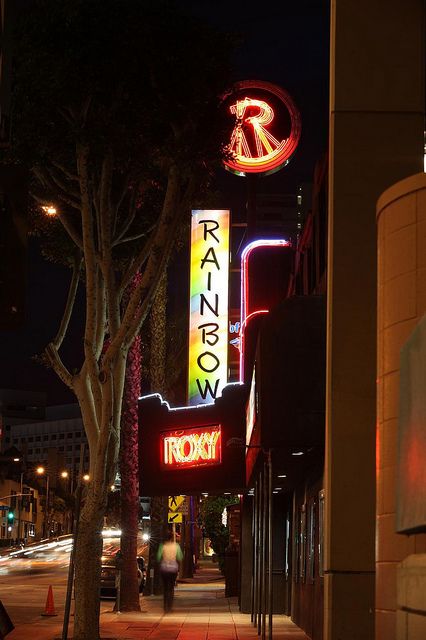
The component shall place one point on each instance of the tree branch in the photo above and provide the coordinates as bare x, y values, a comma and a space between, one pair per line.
106, 263
71, 193
159, 250
88, 409
91, 364
100, 315
137, 262
124, 193
70, 302
71, 176
53, 358
136, 237
155, 270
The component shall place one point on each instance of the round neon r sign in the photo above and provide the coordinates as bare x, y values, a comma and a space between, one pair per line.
266, 130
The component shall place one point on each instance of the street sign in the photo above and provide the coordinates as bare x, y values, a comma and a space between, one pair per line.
175, 502
184, 508
4, 507
175, 517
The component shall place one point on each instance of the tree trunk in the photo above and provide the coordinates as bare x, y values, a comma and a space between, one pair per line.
157, 369
129, 593
88, 569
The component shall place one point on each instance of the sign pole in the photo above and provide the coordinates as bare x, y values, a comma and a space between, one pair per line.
71, 566
251, 205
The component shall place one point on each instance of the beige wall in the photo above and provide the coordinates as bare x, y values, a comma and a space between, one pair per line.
401, 212
376, 138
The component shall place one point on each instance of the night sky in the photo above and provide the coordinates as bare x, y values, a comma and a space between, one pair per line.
283, 42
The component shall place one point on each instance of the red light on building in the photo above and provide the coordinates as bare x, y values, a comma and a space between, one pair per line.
266, 131
191, 447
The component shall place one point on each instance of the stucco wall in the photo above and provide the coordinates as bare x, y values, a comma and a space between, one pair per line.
400, 567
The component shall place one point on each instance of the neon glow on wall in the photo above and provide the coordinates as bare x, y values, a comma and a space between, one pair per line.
195, 447
246, 312
208, 321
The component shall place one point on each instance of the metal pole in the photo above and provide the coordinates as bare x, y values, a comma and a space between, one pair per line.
20, 507
71, 566
259, 556
47, 508
251, 205
254, 554
270, 549
264, 524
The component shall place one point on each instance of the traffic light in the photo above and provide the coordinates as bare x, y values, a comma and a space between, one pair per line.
10, 518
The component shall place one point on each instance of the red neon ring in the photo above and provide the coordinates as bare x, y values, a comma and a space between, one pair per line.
283, 154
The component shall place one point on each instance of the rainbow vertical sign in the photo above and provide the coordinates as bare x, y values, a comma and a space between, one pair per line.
208, 313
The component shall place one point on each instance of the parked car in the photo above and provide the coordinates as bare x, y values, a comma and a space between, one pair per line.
109, 569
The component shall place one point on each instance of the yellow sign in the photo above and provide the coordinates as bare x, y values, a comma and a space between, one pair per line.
174, 517
175, 502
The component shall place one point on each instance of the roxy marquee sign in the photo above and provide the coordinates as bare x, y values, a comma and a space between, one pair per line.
191, 447
208, 317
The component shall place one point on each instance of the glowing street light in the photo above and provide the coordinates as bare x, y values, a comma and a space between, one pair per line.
50, 210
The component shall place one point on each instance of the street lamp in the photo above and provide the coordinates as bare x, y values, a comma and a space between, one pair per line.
50, 210
21, 492
41, 471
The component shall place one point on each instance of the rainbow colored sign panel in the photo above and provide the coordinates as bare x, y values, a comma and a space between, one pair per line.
208, 317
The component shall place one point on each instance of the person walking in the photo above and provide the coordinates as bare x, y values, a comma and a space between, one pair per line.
169, 555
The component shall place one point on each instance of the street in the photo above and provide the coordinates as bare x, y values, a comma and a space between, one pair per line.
201, 609
24, 582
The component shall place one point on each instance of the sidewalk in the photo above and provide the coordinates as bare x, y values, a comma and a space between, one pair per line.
201, 612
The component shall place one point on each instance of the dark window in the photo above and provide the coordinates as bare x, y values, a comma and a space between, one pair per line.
310, 559
30, 451
69, 447
37, 450
53, 436
321, 534
61, 448
38, 438
302, 543
69, 435
31, 439
45, 438
61, 436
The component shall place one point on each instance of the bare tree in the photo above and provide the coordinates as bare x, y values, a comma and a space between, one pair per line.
116, 115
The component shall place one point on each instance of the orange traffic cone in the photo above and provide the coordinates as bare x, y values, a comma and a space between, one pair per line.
50, 607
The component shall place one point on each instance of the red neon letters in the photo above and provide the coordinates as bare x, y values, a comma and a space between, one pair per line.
191, 447
253, 148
